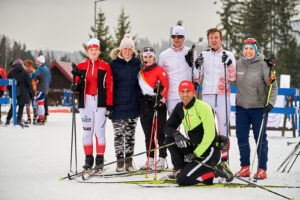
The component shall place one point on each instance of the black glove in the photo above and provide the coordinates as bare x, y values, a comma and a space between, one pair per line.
109, 111
73, 88
196, 85
158, 105
199, 61
268, 108
189, 157
226, 59
1, 93
189, 56
75, 71
180, 140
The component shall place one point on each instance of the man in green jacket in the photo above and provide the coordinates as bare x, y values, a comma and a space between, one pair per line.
194, 159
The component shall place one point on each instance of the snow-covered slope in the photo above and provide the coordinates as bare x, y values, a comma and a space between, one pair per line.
33, 159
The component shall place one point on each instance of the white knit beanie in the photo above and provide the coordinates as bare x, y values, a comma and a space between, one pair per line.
41, 59
127, 42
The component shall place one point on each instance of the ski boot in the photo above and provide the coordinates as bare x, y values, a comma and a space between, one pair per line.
128, 165
244, 172
120, 165
99, 163
40, 122
89, 162
150, 165
261, 174
34, 120
161, 164
224, 171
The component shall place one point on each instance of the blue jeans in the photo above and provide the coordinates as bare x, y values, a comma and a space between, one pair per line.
245, 118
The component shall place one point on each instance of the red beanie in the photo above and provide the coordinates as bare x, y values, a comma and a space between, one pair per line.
186, 85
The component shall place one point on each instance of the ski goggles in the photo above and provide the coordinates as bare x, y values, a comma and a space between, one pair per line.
148, 51
177, 36
250, 41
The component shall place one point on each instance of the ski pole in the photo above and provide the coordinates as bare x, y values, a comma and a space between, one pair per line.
138, 154
201, 57
226, 106
289, 156
241, 179
192, 61
151, 136
263, 125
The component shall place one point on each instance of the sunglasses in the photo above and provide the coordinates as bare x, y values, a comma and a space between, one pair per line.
178, 36
250, 40
148, 50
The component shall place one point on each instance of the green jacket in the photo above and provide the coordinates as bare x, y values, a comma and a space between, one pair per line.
198, 121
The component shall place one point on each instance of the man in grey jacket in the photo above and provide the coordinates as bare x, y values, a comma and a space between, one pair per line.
251, 104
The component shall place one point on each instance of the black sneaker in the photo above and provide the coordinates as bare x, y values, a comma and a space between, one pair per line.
99, 162
40, 122
89, 162
7, 122
224, 171
28, 121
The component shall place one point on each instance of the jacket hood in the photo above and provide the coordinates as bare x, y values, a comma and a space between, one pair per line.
114, 53
18, 68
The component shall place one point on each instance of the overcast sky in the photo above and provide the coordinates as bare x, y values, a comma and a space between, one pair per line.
65, 24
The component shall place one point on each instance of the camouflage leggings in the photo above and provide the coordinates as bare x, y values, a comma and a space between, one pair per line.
124, 129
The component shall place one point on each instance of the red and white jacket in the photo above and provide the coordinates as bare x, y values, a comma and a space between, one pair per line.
213, 71
97, 79
148, 79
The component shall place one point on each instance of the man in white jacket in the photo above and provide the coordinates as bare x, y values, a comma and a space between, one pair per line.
213, 85
174, 61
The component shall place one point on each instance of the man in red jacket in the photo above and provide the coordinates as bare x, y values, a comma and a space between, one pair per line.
95, 85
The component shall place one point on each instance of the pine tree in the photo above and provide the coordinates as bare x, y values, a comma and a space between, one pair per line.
122, 28
103, 35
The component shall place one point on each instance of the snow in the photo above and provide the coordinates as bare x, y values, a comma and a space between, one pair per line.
33, 159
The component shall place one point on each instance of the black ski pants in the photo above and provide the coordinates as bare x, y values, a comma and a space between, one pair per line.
193, 172
146, 117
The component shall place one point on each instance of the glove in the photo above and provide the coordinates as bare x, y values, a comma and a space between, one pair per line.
109, 111
75, 71
158, 105
188, 57
196, 85
180, 140
73, 88
199, 61
268, 108
226, 59
189, 157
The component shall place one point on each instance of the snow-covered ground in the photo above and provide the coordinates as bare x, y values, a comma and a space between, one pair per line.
33, 159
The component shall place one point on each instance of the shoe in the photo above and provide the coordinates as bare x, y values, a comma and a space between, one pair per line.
89, 162
34, 121
28, 121
224, 171
173, 174
7, 122
150, 165
40, 122
128, 165
261, 174
244, 171
120, 165
99, 163
160, 164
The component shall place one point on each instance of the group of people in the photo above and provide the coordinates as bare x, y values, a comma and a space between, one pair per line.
134, 85
32, 86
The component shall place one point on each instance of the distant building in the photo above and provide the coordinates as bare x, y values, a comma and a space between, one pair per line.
61, 79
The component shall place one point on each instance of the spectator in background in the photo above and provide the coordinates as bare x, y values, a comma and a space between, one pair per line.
23, 89
29, 68
43, 75
2, 87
